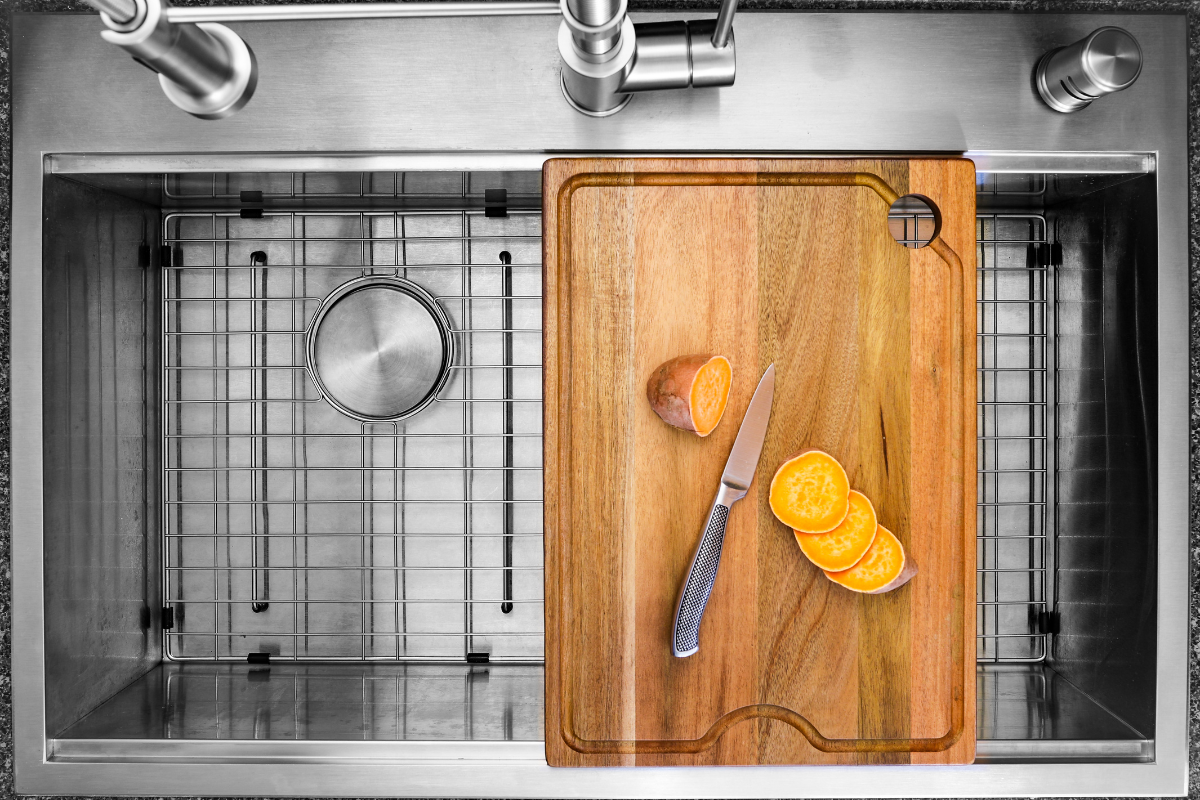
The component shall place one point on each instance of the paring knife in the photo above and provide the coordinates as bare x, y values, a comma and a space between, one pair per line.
735, 482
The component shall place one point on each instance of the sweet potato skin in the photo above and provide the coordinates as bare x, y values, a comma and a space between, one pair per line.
907, 574
670, 387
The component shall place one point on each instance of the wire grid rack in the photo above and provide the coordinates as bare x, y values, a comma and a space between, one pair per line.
296, 531
1015, 325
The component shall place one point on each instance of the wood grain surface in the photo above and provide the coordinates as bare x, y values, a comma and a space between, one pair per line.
787, 262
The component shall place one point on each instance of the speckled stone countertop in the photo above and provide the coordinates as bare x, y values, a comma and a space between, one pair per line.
1190, 7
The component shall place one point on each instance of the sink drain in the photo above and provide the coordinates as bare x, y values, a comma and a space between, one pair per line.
379, 348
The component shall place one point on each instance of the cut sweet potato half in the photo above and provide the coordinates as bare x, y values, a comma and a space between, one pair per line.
810, 492
883, 568
843, 546
690, 392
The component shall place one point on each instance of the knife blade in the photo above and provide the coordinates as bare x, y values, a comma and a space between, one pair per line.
735, 482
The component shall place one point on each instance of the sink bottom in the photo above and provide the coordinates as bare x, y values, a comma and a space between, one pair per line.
1026, 713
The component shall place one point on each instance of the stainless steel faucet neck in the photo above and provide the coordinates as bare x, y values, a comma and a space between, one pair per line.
596, 25
724, 27
594, 12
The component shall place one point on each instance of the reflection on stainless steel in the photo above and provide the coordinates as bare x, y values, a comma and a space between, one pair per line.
379, 348
1031, 712
389, 702
206, 69
1105, 61
418, 760
1064, 751
394, 713
1034, 703
783, 104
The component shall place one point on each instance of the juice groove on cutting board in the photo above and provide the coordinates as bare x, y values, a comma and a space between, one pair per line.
872, 366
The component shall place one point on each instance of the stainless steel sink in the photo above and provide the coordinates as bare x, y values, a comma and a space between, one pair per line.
229, 587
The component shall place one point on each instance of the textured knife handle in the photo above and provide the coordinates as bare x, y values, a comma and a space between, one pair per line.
699, 583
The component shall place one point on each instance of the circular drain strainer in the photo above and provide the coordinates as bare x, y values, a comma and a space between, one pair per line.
379, 348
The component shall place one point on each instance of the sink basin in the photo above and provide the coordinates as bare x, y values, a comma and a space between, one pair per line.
217, 567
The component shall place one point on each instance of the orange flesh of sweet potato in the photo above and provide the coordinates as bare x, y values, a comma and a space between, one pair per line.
883, 568
810, 492
690, 392
710, 393
843, 546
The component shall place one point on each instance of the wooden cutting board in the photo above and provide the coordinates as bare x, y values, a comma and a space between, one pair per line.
787, 262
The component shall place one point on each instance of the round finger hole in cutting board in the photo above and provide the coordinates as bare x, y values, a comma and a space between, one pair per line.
379, 348
914, 220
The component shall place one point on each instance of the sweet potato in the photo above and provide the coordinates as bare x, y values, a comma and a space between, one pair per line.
810, 492
690, 392
843, 546
883, 568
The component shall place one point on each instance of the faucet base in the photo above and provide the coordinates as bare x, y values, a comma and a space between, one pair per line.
230, 95
562, 84
594, 86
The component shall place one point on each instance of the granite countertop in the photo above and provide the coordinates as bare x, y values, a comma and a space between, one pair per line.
1190, 7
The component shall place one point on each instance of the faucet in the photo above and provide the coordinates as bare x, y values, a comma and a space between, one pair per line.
204, 68
208, 71
606, 58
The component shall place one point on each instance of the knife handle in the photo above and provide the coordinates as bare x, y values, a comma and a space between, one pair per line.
685, 639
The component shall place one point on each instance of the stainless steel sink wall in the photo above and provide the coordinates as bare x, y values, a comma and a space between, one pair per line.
1131, 324
102, 537
1106, 430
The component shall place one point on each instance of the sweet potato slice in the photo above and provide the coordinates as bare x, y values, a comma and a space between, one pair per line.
843, 546
883, 568
690, 392
810, 492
